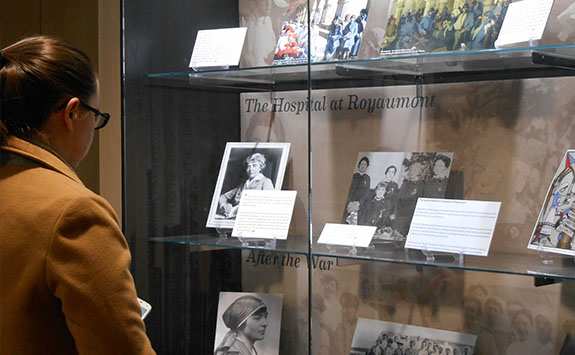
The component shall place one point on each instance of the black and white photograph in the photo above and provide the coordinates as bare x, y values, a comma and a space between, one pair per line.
386, 185
374, 337
248, 323
245, 166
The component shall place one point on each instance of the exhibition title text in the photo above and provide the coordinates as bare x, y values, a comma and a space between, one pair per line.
350, 102
260, 258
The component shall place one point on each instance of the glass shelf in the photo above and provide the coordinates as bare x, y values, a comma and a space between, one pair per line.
563, 267
292, 245
428, 68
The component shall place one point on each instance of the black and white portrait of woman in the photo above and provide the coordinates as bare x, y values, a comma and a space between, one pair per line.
245, 166
229, 201
248, 324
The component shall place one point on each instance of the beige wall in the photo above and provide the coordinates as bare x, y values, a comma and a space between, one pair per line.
111, 101
73, 20
78, 21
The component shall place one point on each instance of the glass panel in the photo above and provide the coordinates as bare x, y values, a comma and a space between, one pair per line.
176, 128
503, 140
496, 123
507, 314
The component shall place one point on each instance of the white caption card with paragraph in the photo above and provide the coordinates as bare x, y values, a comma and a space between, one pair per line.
525, 20
218, 48
453, 226
264, 214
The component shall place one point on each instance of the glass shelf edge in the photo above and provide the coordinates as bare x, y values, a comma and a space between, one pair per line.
441, 55
288, 246
533, 269
525, 265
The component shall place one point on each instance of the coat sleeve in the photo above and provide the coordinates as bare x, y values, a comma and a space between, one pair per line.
87, 269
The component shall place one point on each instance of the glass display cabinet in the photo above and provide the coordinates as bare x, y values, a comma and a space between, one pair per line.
380, 95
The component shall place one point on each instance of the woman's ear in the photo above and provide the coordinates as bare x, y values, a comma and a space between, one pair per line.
71, 111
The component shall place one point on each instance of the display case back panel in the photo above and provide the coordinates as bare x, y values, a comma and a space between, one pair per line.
509, 315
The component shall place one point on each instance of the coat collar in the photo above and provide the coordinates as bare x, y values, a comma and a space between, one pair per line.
258, 177
243, 347
42, 155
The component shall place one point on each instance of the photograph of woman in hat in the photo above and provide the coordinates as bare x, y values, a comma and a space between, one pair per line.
247, 320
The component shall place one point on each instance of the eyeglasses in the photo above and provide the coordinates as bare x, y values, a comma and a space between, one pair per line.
100, 117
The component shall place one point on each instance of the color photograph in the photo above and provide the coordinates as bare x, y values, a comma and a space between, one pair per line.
442, 25
556, 223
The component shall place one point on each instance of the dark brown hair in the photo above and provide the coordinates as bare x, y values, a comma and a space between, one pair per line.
36, 73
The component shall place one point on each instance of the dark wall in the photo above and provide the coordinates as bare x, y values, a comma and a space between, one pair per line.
174, 138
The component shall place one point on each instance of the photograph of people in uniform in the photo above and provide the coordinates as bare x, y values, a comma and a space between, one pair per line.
555, 227
358, 190
374, 337
248, 324
387, 196
341, 25
278, 31
245, 166
435, 185
438, 26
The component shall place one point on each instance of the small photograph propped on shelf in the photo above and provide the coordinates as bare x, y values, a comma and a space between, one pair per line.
555, 226
245, 166
336, 31
438, 26
378, 337
278, 33
386, 185
248, 323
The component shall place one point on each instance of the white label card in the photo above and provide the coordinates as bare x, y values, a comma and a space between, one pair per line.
525, 20
348, 235
145, 307
218, 48
453, 226
264, 214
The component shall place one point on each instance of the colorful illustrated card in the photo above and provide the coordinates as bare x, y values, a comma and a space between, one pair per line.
555, 226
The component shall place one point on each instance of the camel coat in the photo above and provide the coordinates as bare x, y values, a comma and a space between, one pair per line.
65, 284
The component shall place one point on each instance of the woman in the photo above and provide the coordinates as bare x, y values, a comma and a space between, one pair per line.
436, 185
349, 33
229, 202
358, 192
64, 270
411, 189
333, 38
246, 318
